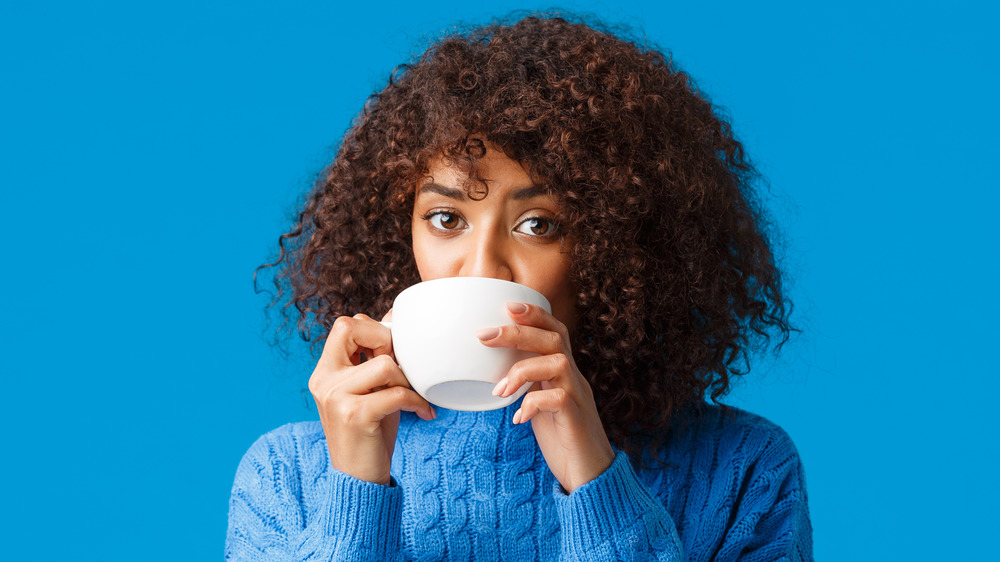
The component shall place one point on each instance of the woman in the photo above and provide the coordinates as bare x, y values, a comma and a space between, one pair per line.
561, 157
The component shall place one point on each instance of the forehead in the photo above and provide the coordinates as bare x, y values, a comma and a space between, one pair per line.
492, 172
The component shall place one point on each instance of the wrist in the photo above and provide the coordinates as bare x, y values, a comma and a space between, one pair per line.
597, 464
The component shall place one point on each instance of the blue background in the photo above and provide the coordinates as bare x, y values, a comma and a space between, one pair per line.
151, 154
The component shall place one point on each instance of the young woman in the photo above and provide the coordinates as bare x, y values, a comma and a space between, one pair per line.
589, 168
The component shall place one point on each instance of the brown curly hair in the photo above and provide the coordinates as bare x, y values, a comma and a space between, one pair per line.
677, 283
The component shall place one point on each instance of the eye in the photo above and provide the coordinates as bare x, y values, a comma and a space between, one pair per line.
444, 220
537, 226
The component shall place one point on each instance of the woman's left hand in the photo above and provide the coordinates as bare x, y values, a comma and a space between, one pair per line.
560, 405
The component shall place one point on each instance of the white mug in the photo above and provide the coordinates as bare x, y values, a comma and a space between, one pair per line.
434, 325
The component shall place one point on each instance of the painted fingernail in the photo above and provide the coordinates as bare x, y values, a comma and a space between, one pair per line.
500, 387
487, 333
517, 416
517, 307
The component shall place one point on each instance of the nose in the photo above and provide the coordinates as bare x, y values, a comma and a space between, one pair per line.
487, 256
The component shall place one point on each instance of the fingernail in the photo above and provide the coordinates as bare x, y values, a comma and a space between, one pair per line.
517, 416
500, 387
517, 307
487, 333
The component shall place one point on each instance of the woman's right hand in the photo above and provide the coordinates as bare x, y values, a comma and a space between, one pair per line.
359, 403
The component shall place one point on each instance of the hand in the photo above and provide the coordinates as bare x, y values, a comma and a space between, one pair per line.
359, 403
560, 405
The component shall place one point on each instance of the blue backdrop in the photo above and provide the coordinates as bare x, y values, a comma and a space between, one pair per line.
151, 153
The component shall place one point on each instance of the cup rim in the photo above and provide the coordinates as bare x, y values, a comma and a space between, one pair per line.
474, 279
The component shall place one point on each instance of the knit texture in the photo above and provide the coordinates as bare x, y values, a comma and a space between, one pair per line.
473, 486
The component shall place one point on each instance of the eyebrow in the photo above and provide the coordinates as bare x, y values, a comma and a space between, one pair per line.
528, 192
459, 194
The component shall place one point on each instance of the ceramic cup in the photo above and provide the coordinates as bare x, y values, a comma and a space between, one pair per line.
434, 326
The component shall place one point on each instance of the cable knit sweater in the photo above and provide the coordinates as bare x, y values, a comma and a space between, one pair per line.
473, 486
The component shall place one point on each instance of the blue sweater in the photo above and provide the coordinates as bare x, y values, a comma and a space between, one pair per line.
473, 486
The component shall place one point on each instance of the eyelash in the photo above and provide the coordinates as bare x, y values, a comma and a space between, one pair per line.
431, 215
553, 225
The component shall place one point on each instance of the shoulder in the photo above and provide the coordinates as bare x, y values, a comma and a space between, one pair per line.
748, 458
760, 482
728, 444
734, 432
753, 433
756, 447
731, 470
300, 445
290, 435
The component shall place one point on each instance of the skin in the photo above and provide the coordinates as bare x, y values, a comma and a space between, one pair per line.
511, 235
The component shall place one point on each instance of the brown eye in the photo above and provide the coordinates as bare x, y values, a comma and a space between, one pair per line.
444, 220
537, 226
448, 221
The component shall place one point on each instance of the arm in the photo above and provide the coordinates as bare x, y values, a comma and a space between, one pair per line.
605, 513
614, 517
756, 510
272, 516
351, 510
752, 500
771, 520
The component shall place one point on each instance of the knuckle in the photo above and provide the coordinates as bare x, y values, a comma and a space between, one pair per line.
345, 411
560, 398
510, 331
514, 371
562, 329
397, 393
376, 363
342, 325
556, 340
321, 384
384, 365
561, 362
516, 374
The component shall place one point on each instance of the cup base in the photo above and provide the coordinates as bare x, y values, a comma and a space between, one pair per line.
468, 396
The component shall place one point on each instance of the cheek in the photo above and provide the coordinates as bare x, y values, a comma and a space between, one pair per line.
432, 270
433, 262
419, 245
564, 309
560, 291
425, 267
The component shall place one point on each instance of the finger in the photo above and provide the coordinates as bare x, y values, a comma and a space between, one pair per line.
378, 405
555, 369
351, 334
533, 315
524, 337
376, 373
553, 400
373, 377
386, 322
331, 385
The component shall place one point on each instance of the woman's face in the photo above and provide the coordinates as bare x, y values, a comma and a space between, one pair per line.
510, 235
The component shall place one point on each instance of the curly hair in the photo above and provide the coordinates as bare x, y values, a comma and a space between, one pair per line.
677, 283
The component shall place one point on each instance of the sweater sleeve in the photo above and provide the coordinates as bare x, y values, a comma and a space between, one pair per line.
770, 514
751, 514
614, 517
272, 516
